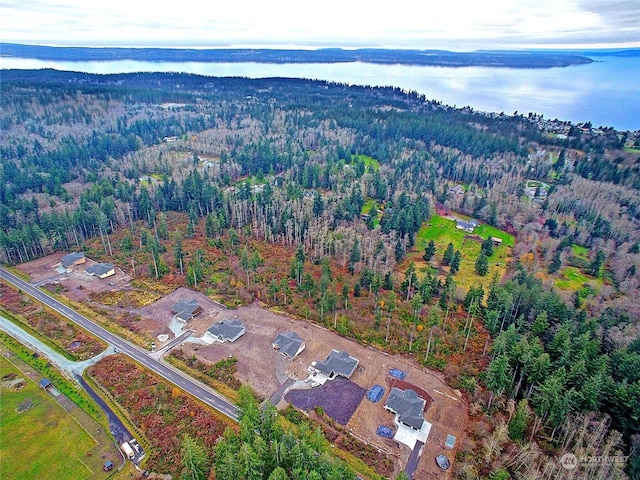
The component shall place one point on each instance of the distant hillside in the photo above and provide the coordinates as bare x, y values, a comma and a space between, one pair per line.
509, 59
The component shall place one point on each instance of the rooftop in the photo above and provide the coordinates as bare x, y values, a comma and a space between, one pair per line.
186, 305
338, 363
100, 269
289, 343
71, 258
227, 330
408, 406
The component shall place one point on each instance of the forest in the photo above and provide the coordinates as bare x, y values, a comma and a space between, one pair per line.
330, 202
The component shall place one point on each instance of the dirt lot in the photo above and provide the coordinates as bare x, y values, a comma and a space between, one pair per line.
265, 369
76, 285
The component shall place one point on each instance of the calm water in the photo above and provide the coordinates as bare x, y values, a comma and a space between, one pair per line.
606, 93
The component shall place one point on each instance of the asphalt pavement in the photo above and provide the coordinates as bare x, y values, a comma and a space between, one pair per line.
169, 373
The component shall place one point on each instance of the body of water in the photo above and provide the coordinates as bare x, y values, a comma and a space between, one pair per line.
605, 93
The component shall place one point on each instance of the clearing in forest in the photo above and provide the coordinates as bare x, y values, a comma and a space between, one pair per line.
443, 231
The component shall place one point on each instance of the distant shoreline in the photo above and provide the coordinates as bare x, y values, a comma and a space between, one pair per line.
440, 58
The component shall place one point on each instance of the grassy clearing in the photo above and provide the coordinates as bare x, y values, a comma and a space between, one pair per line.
579, 251
369, 162
631, 150
572, 279
443, 231
42, 442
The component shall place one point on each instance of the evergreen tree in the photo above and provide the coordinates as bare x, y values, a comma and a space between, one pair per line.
448, 254
429, 251
455, 262
482, 264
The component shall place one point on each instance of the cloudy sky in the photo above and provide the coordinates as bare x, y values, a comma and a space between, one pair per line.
447, 24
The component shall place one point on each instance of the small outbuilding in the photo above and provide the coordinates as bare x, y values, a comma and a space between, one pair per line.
101, 270
226, 330
289, 344
72, 259
186, 309
45, 383
108, 466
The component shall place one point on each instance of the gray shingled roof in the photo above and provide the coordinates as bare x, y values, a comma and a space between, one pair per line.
227, 329
188, 305
408, 406
288, 343
338, 363
71, 258
100, 269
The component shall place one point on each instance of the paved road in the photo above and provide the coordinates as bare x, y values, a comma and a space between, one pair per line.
169, 373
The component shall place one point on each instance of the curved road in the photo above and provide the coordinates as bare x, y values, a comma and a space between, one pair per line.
170, 374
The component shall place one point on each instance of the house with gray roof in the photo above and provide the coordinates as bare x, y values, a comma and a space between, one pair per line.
407, 406
337, 363
289, 344
226, 330
469, 226
186, 309
101, 270
72, 259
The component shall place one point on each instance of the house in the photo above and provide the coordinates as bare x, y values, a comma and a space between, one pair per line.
289, 344
337, 363
456, 190
496, 240
45, 383
407, 406
467, 226
226, 330
186, 309
72, 259
101, 270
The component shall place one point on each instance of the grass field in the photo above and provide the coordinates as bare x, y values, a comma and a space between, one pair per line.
443, 231
579, 251
43, 442
369, 162
572, 279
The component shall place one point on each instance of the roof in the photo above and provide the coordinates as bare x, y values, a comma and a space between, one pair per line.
100, 269
188, 306
227, 329
71, 258
288, 343
338, 363
470, 225
408, 406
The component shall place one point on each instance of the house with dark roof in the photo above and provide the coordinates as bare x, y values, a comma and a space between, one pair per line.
289, 344
72, 259
407, 406
337, 363
467, 226
101, 270
226, 330
186, 309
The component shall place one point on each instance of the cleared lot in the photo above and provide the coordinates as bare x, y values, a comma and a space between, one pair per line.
265, 369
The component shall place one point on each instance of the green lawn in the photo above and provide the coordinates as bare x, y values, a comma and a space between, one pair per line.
442, 231
44, 442
572, 279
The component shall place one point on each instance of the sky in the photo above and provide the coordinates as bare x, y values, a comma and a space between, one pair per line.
461, 25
